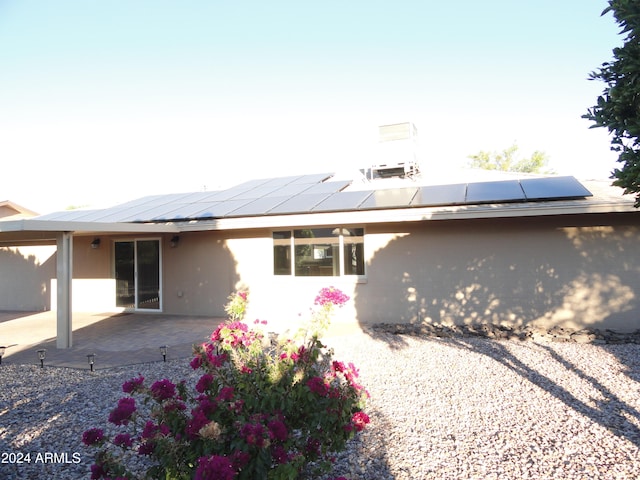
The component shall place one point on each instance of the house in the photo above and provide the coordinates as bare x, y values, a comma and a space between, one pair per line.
534, 250
13, 211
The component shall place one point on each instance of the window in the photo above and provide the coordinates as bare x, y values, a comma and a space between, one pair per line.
319, 252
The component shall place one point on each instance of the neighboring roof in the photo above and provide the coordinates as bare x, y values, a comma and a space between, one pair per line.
13, 211
323, 199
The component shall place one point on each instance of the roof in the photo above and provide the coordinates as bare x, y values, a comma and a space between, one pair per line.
324, 199
13, 211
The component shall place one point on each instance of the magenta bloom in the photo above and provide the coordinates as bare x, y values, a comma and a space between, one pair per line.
204, 383
123, 412
196, 362
133, 385
198, 420
360, 420
163, 389
331, 296
279, 454
98, 471
278, 430
214, 467
123, 440
93, 436
226, 394
317, 386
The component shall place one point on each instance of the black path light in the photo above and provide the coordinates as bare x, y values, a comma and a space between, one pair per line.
41, 354
91, 358
2, 349
163, 352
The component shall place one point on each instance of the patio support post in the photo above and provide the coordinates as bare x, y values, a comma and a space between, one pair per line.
64, 275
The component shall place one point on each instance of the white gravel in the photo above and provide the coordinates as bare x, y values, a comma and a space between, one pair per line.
461, 408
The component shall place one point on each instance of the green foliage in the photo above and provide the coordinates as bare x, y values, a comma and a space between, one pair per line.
618, 108
262, 408
508, 161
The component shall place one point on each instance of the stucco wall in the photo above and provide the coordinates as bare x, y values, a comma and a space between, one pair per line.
545, 272
25, 278
198, 274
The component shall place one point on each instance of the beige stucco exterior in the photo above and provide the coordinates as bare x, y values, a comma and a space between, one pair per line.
570, 270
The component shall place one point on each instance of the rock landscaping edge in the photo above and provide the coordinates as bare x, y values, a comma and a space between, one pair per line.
503, 332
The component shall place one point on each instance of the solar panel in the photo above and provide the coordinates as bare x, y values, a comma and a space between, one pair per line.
257, 192
434, 195
494, 192
302, 203
342, 201
282, 181
314, 178
259, 206
553, 188
328, 187
390, 198
289, 190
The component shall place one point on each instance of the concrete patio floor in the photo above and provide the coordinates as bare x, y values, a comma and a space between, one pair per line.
115, 338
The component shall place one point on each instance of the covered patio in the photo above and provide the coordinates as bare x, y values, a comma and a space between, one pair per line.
31, 232
116, 339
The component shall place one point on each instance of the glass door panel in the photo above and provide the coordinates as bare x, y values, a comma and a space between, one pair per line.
148, 260
125, 274
137, 273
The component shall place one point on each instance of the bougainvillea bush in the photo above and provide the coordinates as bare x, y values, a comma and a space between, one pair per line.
262, 408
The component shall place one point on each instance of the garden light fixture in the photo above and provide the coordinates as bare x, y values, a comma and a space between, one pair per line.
163, 352
91, 358
1, 353
41, 354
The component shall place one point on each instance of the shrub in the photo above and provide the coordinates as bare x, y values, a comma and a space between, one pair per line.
262, 408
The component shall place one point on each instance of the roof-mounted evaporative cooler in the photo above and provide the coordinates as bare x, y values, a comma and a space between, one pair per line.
396, 153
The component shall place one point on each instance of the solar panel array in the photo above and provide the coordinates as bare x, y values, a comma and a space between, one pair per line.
318, 193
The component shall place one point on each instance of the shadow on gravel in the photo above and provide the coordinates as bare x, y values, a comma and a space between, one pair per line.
611, 411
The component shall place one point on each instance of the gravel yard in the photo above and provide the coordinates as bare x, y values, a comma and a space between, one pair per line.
456, 408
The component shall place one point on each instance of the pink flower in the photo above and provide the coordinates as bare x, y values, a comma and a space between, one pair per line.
278, 430
163, 389
214, 467
123, 440
198, 420
360, 420
331, 296
133, 385
98, 471
204, 383
123, 412
93, 436
196, 362
317, 386
226, 394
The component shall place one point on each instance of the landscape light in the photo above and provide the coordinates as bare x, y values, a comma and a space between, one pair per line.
1, 353
41, 354
91, 358
163, 352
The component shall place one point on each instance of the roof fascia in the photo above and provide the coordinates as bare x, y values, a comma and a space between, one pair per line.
32, 225
418, 214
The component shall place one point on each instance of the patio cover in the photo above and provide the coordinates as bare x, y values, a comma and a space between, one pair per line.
27, 232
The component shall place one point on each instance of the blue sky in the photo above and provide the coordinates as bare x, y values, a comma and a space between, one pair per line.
105, 101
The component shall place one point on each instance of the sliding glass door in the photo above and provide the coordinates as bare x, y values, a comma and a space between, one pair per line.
137, 272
